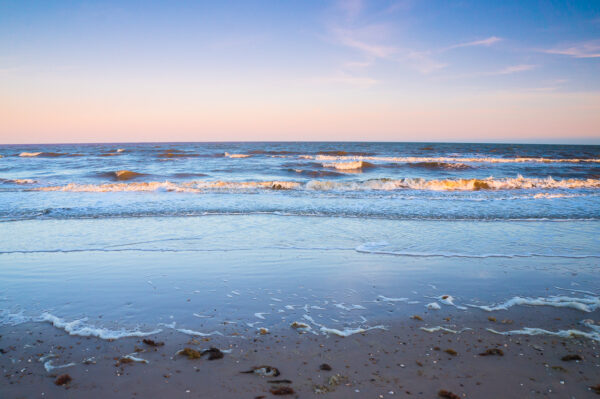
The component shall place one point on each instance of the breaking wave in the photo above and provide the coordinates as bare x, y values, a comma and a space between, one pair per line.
228, 155
353, 165
45, 154
519, 183
439, 165
433, 160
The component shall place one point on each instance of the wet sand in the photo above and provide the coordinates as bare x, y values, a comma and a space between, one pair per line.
401, 361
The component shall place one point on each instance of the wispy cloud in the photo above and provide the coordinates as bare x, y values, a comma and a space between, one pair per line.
423, 62
589, 49
514, 69
484, 42
365, 40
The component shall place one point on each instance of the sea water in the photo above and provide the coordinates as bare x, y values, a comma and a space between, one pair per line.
113, 240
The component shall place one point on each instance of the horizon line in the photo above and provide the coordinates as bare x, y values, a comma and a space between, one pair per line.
594, 142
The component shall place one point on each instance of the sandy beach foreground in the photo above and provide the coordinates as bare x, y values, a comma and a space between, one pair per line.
402, 361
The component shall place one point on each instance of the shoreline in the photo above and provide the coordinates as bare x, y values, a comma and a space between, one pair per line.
401, 361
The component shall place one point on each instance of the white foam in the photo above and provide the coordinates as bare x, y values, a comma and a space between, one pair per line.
595, 336
438, 328
197, 333
260, 315
77, 327
228, 155
349, 331
199, 186
13, 319
201, 316
451, 159
342, 333
588, 304
29, 154
433, 306
449, 300
386, 299
352, 165
49, 366
349, 307
134, 358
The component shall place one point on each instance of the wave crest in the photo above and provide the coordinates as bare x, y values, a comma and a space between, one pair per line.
519, 183
450, 159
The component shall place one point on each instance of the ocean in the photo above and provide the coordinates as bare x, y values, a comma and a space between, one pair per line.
114, 240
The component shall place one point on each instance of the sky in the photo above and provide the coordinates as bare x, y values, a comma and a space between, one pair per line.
397, 70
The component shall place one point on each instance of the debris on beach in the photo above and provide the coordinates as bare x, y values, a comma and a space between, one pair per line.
596, 389
332, 383
279, 381
263, 331
416, 317
568, 358
190, 353
282, 391
298, 325
492, 319
492, 352
265, 371
447, 394
128, 359
150, 342
325, 367
213, 353
451, 352
433, 306
63, 379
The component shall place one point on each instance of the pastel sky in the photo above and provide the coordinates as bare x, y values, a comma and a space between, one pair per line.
407, 70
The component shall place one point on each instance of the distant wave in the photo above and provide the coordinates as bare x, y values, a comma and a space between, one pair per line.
451, 159
126, 174
353, 165
177, 154
315, 173
45, 154
439, 165
228, 155
518, 183
121, 175
17, 181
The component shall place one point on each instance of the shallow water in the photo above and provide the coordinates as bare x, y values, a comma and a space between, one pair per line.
260, 235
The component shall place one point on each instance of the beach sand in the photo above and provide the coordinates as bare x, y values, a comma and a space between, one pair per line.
401, 361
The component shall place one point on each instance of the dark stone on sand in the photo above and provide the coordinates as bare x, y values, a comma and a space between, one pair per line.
213, 354
447, 394
451, 352
152, 343
492, 352
63, 379
568, 358
280, 381
325, 367
596, 389
282, 391
263, 370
